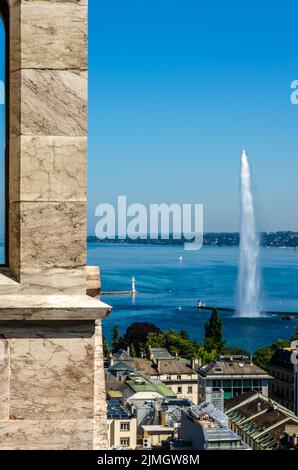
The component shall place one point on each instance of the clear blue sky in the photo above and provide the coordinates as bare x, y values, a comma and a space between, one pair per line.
177, 88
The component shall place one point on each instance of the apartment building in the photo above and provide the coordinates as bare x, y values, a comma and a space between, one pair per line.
206, 428
122, 426
262, 423
281, 388
180, 375
229, 377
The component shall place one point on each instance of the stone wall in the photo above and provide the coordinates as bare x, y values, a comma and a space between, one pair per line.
51, 359
48, 135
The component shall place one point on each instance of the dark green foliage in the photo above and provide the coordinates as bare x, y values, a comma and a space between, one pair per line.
180, 344
132, 351
262, 356
140, 336
116, 339
213, 333
137, 333
232, 351
106, 348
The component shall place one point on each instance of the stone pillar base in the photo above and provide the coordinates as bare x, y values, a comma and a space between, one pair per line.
51, 374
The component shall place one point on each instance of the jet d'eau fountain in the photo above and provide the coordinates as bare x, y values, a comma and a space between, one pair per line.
249, 274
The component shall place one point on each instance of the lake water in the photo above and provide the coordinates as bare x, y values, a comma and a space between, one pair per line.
209, 274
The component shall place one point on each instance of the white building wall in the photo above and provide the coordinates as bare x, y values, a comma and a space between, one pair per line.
115, 434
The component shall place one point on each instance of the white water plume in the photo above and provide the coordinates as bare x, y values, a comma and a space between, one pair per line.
249, 274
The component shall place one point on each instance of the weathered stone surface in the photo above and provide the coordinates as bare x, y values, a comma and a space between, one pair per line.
46, 434
25, 2
14, 244
100, 412
47, 281
48, 168
93, 281
51, 38
4, 378
52, 235
48, 102
53, 377
51, 307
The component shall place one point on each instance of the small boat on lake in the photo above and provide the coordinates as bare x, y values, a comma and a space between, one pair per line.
288, 317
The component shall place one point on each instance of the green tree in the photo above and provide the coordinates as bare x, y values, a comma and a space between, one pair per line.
208, 356
213, 333
262, 356
179, 343
137, 335
155, 340
115, 338
132, 351
106, 347
231, 351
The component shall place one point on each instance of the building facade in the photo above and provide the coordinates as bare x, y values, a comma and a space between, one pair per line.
281, 388
262, 423
228, 377
156, 434
180, 375
206, 428
122, 426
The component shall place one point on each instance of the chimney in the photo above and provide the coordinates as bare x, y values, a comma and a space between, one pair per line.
251, 363
162, 418
111, 360
199, 362
158, 365
193, 363
128, 350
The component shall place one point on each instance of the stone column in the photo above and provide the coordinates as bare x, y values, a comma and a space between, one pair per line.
51, 361
48, 133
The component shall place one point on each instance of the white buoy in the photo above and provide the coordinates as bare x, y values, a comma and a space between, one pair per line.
180, 259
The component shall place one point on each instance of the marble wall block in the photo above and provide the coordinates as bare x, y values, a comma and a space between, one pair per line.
46, 435
100, 411
4, 378
50, 281
92, 281
48, 102
52, 235
14, 244
44, 281
26, 2
52, 372
15, 34
48, 168
49, 38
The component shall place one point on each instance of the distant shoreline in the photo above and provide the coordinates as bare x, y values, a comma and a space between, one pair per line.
225, 239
